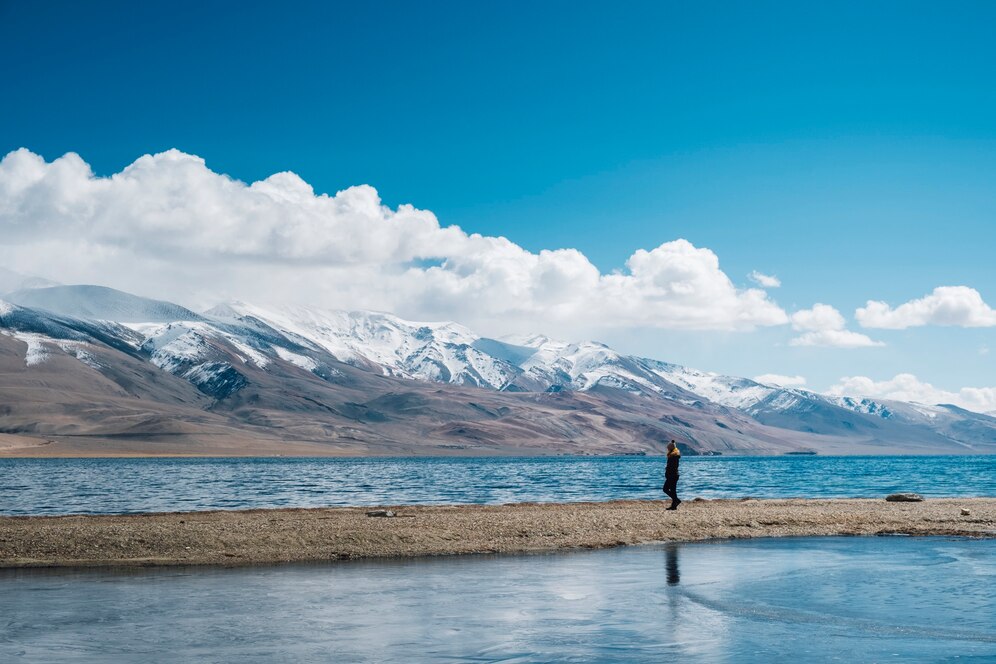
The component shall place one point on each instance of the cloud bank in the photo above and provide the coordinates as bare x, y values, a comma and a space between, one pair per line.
822, 325
907, 387
167, 226
947, 305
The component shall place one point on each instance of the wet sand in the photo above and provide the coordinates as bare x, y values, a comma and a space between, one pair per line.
296, 535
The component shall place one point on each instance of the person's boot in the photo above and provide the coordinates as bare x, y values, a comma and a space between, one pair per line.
674, 505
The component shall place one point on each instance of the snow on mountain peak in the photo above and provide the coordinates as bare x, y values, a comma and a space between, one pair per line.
740, 393
431, 351
101, 303
226, 311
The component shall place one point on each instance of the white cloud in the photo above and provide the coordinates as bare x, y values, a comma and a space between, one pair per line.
819, 317
907, 387
947, 305
764, 280
822, 325
169, 227
783, 381
836, 339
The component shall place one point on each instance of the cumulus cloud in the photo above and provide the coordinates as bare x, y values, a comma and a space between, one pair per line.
947, 305
782, 381
169, 227
907, 387
764, 280
822, 325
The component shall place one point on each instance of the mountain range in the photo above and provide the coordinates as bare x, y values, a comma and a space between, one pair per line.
89, 370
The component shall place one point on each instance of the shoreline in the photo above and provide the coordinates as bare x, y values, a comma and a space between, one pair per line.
17, 454
270, 536
26, 447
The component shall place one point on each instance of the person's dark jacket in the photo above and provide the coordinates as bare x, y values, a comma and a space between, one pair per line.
672, 465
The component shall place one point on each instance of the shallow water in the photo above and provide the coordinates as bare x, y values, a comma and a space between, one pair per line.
826, 599
66, 486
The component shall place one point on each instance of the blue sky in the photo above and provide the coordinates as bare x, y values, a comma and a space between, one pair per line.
848, 149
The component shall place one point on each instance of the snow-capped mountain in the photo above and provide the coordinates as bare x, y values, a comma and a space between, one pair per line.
101, 303
804, 410
587, 365
451, 353
438, 352
445, 352
232, 351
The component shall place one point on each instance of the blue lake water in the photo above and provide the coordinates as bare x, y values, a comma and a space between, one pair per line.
93, 486
89, 486
776, 600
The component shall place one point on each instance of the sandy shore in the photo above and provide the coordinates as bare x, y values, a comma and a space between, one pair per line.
272, 536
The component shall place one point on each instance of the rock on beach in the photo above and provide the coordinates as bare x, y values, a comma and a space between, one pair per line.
904, 498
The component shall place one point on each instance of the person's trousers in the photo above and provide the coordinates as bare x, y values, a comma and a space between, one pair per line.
671, 487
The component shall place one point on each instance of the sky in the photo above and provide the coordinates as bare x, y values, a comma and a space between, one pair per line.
722, 185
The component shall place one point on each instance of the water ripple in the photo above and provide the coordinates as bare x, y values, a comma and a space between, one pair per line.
104, 486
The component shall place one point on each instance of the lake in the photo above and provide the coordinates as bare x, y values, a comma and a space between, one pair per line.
102, 486
784, 600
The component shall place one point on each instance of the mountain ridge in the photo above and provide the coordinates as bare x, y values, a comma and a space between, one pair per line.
368, 382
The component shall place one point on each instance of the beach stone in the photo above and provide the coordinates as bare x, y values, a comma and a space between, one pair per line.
965, 512
386, 513
904, 498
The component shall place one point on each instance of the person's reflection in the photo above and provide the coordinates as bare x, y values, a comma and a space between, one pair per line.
671, 564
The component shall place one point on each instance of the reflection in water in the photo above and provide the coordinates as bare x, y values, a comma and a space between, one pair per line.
674, 629
778, 600
671, 561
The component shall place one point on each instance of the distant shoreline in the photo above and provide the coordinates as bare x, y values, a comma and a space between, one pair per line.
511, 454
18, 446
329, 534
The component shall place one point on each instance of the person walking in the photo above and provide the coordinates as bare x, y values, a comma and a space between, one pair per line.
671, 474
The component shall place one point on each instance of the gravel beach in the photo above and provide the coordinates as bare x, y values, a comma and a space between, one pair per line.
293, 535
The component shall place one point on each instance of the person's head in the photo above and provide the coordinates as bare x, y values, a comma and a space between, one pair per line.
671, 446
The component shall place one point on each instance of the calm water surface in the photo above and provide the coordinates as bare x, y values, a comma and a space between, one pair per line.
88, 486
780, 600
